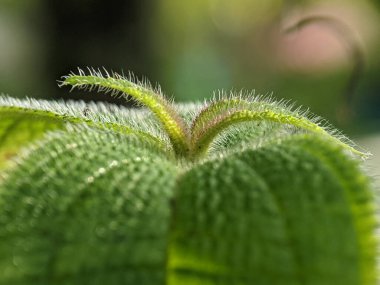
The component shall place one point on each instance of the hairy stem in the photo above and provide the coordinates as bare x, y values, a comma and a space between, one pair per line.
202, 142
219, 108
173, 125
214, 109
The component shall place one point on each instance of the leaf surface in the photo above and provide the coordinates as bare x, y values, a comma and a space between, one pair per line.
102, 200
25, 121
19, 127
86, 207
295, 212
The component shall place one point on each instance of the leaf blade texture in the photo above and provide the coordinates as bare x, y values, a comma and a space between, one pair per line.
292, 213
97, 195
18, 127
106, 224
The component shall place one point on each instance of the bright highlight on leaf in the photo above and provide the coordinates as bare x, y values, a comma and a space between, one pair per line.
241, 190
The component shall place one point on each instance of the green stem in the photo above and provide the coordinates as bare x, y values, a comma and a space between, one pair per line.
213, 110
172, 123
219, 108
202, 142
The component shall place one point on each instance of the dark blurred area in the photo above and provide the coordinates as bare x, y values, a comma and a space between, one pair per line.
53, 38
110, 34
193, 48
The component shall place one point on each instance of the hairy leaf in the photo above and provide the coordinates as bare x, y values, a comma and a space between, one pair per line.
295, 212
84, 209
24, 121
237, 191
19, 127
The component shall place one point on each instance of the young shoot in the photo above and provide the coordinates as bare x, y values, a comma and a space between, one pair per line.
193, 142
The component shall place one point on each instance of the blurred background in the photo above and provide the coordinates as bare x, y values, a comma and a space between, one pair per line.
330, 62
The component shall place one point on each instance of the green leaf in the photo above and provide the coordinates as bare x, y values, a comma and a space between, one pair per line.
106, 195
85, 209
295, 212
25, 121
19, 127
